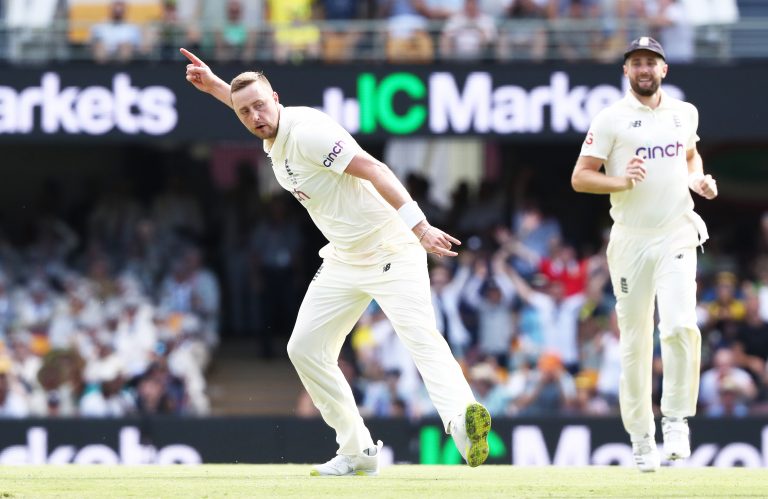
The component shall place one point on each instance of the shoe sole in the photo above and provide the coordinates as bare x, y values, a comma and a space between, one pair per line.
477, 422
648, 470
354, 473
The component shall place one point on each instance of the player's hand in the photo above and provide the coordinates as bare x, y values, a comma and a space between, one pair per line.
635, 171
198, 73
705, 187
435, 240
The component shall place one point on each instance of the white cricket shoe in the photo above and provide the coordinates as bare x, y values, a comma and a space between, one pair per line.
364, 464
677, 442
646, 454
470, 433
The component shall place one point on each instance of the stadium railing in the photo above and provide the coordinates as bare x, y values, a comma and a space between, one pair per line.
371, 41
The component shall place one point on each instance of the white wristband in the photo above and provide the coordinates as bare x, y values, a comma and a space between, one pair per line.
693, 178
411, 214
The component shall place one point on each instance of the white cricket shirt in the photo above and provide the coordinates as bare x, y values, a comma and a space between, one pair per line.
309, 156
662, 136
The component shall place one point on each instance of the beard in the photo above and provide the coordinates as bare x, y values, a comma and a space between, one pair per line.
645, 91
266, 133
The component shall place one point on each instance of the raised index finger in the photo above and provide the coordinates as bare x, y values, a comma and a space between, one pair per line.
192, 57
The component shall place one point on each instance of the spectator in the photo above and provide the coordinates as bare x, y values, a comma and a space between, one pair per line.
526, 39
408, 38
491, 295
609, 372
710, 17
32, 29
558, 315
468, 34
496, 9
447, 290
159, 392
562, 267
382, 396
441, 10
296, 36
725, 312
67, 317
487, 387
587, 401
572, 35
340, 37
13, 403
179, 26
535, 232
143, 256
726, 390
550, 389
106, 395
117, 40
188, 354
390, 354
671, 20
136, 335
751, 345
35, 312
234, 40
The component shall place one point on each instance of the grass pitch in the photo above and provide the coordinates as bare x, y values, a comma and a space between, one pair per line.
400, 481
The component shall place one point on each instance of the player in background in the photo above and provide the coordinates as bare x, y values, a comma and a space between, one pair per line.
646, 144
378, 237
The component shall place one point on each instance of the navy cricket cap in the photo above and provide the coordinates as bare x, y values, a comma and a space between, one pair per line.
645, 43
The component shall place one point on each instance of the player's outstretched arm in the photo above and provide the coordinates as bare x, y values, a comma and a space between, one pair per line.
203, 79
365, 166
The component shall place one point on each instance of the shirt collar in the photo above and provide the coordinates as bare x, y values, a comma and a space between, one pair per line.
282, 132
635, 103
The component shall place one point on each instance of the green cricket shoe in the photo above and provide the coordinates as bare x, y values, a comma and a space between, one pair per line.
470, 434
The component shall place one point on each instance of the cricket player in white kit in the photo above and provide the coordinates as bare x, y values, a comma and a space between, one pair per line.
647, 145
378, 236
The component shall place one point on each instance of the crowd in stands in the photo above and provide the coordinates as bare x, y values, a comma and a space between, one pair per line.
346, 30
533, 325
119, 321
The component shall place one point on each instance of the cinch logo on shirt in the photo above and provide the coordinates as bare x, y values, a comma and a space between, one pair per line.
667, 151
329, 158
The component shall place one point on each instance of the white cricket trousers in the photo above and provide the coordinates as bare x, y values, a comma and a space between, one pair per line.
656, 263
335, 300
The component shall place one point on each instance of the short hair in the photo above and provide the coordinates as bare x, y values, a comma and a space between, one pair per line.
244, 79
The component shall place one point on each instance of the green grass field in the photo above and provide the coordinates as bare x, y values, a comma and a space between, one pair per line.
401, 482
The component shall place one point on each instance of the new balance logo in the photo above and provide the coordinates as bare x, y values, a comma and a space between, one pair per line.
300, 195
624, 285
635, 124
386, 267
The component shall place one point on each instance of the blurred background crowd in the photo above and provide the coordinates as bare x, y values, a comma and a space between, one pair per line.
415, 31
119, 320
117, 293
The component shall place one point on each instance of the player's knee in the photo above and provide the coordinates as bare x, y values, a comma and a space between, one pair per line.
681, 330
